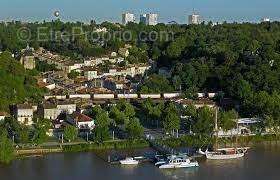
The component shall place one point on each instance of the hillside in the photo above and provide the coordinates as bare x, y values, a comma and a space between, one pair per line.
16, 85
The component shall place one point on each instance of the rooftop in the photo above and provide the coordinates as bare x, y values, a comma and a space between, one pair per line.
81, 117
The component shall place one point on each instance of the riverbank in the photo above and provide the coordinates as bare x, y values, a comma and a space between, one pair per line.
127, 145
107, 145
83, 147
200, 141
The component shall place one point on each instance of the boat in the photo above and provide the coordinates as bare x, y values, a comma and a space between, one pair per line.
223, 153
159, 160
129, 161
175, 161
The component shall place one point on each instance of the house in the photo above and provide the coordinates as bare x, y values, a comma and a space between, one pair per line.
3, 115
49, 86
114, 84
27, 58
28, 61
24, 114
244, 128
49, 111
52, 110
124, 52
83, 122
90, 73
66, 106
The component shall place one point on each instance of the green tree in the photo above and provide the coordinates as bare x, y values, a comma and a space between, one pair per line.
102, 122
41, 128
6, 148
204, 121
171, 120
227, 119
70, 133
134, 129
73, 74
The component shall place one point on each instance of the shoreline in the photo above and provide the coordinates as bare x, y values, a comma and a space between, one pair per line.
121, 146
85, 147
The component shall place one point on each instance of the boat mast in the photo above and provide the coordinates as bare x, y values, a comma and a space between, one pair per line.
216, 128
236, 139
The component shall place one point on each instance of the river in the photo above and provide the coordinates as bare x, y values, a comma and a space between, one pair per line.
262, 163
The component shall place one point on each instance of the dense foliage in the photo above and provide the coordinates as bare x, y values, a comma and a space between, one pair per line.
6, 147
240, 60
16, 84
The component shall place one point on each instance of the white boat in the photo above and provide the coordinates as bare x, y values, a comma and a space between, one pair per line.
225, 154
160, 159
178, 162
129, 161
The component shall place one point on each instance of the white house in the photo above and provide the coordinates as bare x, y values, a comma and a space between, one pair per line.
66, 106
83, 122
90, 73
50, 111
24, 114
2, 115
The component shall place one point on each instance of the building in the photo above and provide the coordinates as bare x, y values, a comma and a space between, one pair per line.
66, 106
28, 61
151, 19
114, 84
27, 58
83, 122
24, 114
127, 17
3, 115
53, 110
143, 18
124, 52
50, 111
265, 20
244, 128
90, 73
194, 19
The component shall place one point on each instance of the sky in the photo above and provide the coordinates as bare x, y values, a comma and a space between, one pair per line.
168, 10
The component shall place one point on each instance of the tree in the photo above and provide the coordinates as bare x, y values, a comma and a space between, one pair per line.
134, 129
272, 125
117, 115
101, 130
24, 134
156, 84
6, 148
190, 111
227, 119
70, 133
73, 74
40, 130
204, 121
122, 112
171, 120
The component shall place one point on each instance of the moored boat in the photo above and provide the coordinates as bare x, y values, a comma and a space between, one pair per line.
223, 153
129, 161
178, 162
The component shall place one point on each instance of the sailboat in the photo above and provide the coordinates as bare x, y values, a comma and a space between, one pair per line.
224, 153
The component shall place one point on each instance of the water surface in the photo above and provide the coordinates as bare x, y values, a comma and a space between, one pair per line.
262, 163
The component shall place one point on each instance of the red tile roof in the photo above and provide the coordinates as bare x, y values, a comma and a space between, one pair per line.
81, 118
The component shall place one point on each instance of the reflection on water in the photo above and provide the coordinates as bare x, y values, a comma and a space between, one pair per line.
229, 163
184, 173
